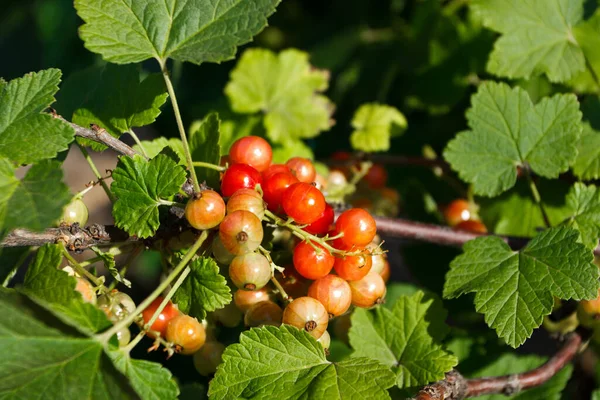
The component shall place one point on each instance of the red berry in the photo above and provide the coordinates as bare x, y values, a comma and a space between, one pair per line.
187, 333
274, 187
376, 177
358, 227
263, 313
333, 292
302, 168
312, 262
205, 210
247, 199
353, 268
241, 232
321, 225
369, 291
239, 176
250, 271
275, 169
252, 150
471, 226
457, 211
245, 299
308, 314
167, 314
303, 202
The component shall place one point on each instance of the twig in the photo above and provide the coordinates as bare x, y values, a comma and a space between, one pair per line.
75, 238
456, 387
100, 135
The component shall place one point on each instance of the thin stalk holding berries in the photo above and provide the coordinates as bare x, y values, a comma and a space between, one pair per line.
209, 166
99, 177
184, 141
98, 282
105, 337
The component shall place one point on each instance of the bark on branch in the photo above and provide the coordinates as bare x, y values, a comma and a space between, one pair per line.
456, 387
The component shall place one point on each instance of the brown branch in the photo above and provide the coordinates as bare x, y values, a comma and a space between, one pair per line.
437, 234
456, 387
75, 238
100, 135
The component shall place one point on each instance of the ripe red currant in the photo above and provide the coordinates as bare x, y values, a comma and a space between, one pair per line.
308, 314
252, 150
294, 284
321, 225
186, 333
312, 261
376, 177
75, 212
358, 227
333, 292
457, 211
239, 176
205, 210
471, 226
302, 168
247, 199
303, 202
263, 313
241, 232
167, 314
245, 299
369, 291
275, 169
208, 358
250, 271
274, 187
353, 268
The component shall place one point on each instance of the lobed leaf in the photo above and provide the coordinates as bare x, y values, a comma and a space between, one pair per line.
204, 146
405, 338
508, 131
287, 363
26, 134
585, 205
186, 30
587, 163
514, 290
286, 88
139, 186
203, 290
374, 124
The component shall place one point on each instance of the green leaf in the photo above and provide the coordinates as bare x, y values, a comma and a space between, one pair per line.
509, 364
45, 282
149, 379
106, 106
26, 134
536, 37
587, 163
139, 186
374, 124
514, 290
286, 88
154, 147
596, 395
287, 363
185, 30
108, 259
507, 131
193, 391
37, 201
585, 203
10, 259
405, 338
204, 146
39, 359
516, 213
203, 290
587, 35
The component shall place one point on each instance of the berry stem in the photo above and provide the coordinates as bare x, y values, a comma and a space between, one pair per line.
281, 290
138, 142
105, 337
537, 198
298, 232
84, 272
184, 141
209, 165
89, 160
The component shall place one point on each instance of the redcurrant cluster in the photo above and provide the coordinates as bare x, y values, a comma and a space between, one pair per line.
462, 215
289, 196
